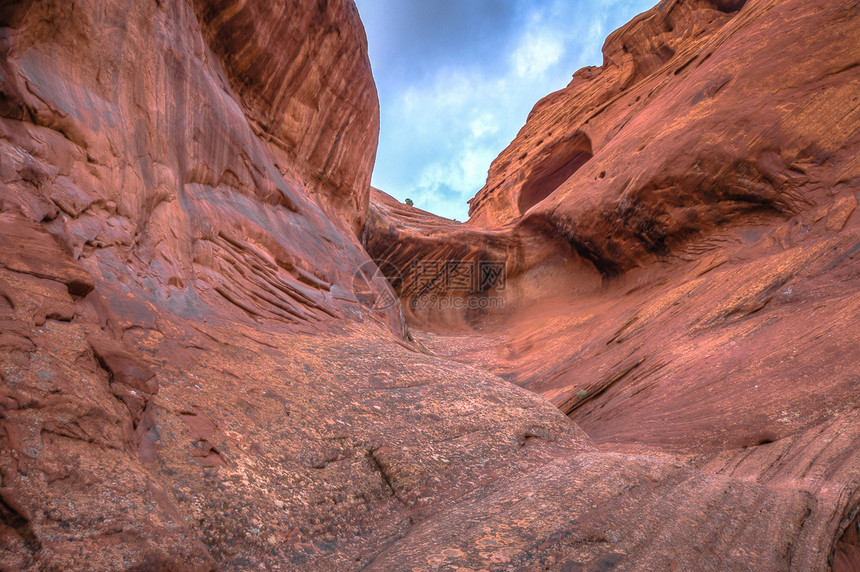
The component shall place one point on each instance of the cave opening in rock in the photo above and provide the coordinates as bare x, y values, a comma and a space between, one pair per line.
728, 6
846, 552
562, 161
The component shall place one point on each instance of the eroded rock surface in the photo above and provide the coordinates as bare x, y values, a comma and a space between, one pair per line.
201, 368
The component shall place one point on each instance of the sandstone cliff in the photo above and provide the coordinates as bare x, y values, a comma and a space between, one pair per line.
201, 368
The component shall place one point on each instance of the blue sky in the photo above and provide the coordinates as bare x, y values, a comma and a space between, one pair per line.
457, 79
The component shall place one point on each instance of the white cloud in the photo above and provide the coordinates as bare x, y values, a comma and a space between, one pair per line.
537, 53
484, 124
465, 173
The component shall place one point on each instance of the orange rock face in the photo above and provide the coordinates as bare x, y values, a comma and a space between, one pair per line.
302, 73
651, 366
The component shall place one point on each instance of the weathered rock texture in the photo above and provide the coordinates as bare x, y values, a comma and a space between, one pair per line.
201, 368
